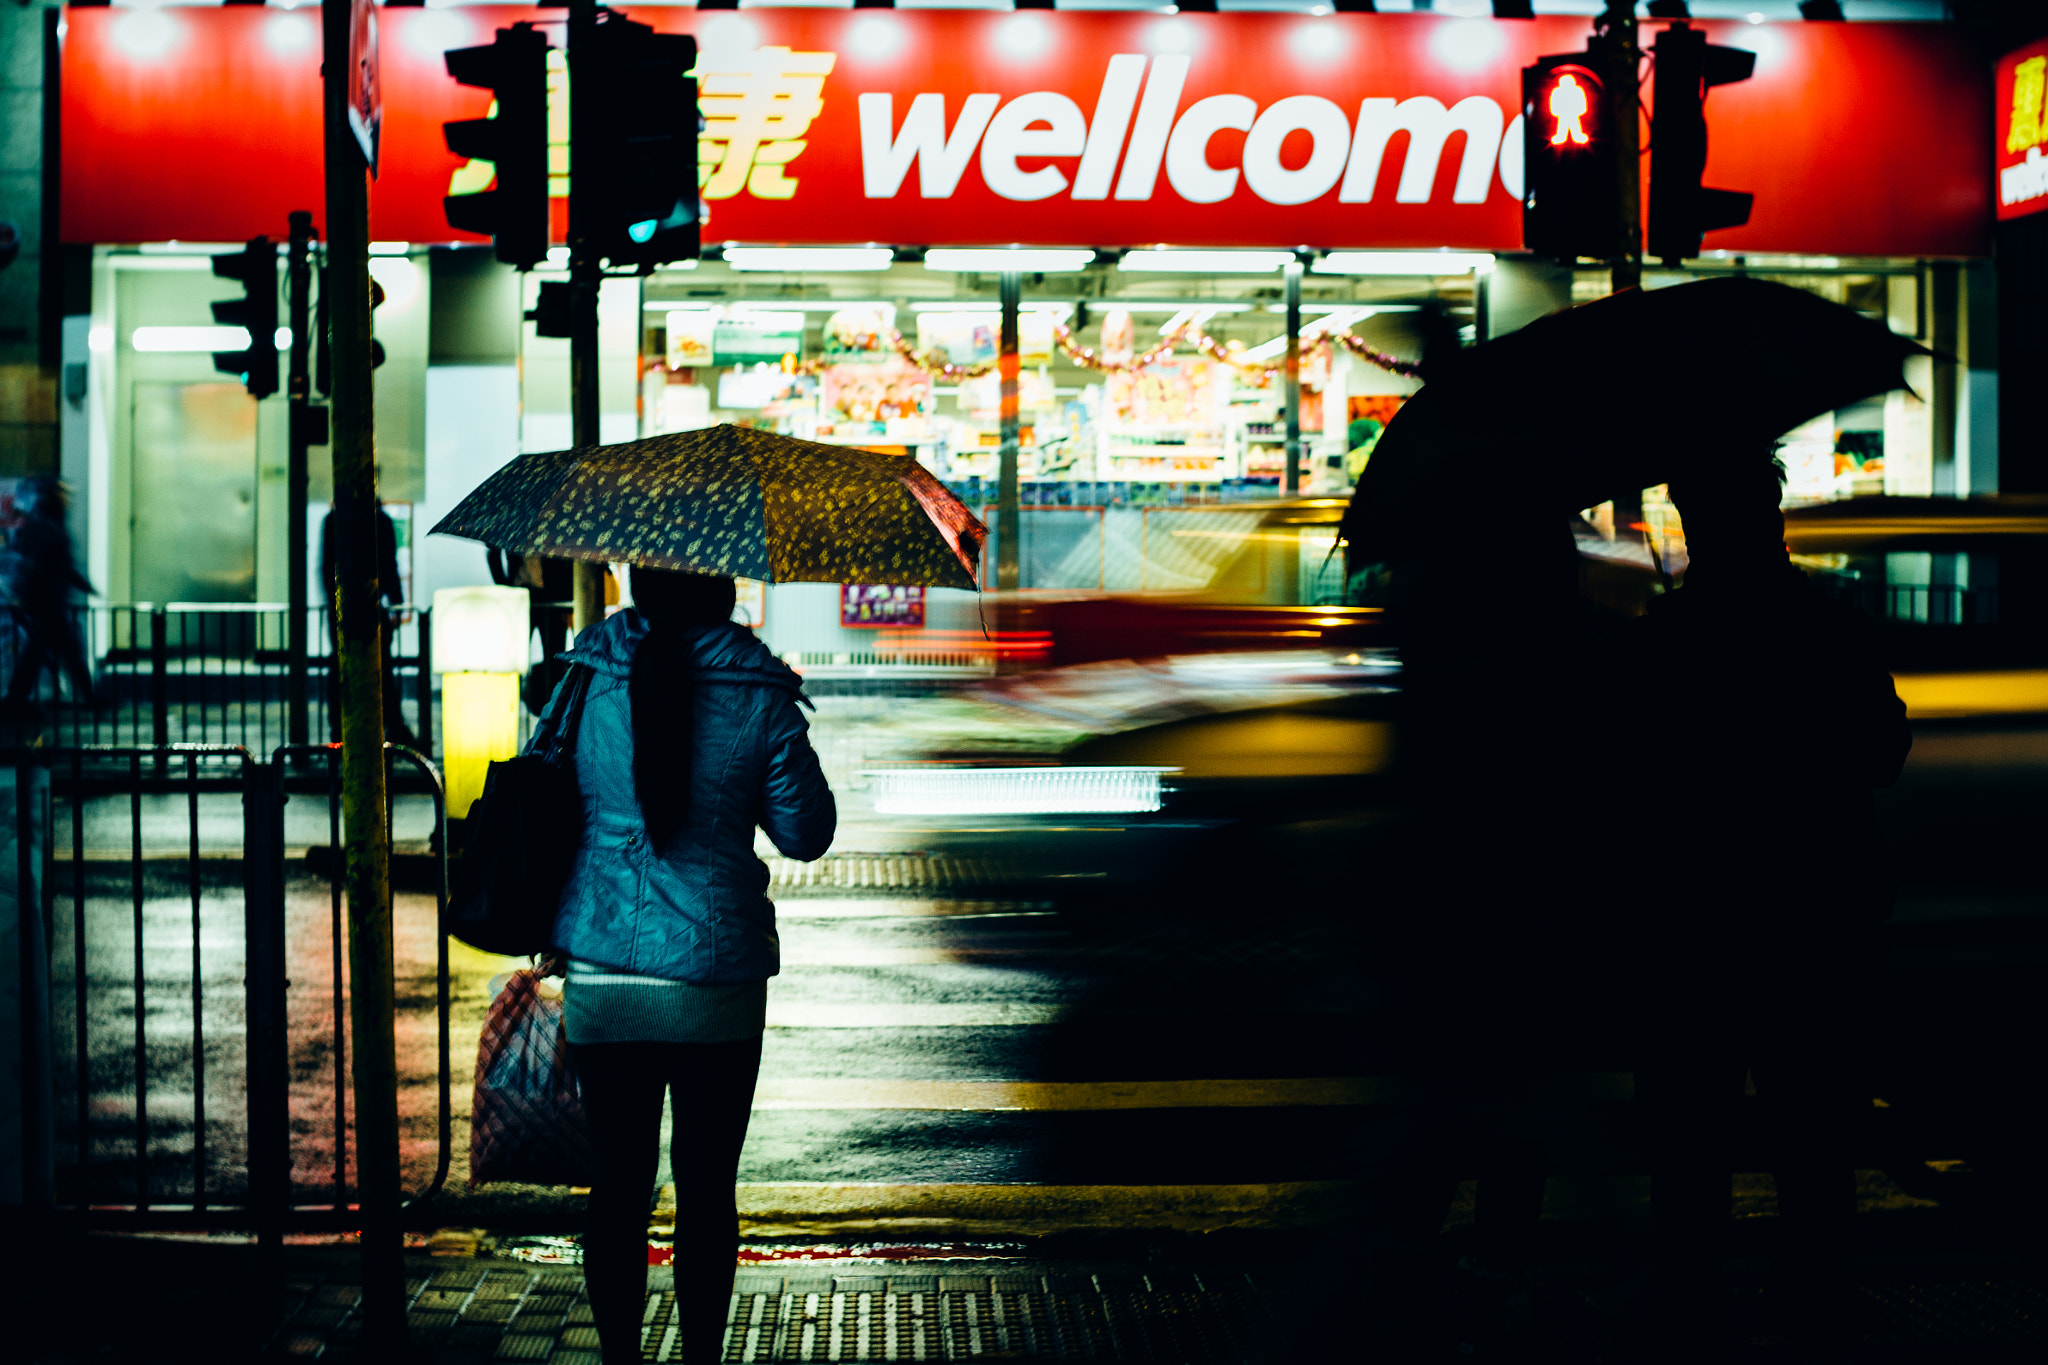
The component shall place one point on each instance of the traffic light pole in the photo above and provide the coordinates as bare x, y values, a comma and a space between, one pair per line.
367, 848
1615, 33
1009, 528
1290, 479
298, 279
586, 275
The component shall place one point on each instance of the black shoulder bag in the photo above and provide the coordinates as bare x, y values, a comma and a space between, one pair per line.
521, 840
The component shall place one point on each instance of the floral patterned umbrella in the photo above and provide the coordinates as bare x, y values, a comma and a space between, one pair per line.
731, 500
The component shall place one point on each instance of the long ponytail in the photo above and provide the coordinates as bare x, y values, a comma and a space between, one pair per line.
660, 692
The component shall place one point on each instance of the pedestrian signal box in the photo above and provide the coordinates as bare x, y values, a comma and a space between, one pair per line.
514, 140
1682, 211
255, 265
635, 161
1570, 205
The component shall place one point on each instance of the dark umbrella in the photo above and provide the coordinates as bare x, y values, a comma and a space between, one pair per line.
1612, 395
731, 500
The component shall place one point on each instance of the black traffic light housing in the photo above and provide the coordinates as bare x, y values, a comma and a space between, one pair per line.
1571, 181
635, 164
1682, 211
514, 213
323, 350
554, 312
255, 266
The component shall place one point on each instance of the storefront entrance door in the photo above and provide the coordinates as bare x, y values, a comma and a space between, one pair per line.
194, 493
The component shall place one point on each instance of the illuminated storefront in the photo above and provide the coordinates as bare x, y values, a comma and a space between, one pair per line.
1157, 176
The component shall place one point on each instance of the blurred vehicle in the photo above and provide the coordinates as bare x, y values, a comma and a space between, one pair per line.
1959, 587
1275, 584
1154, 772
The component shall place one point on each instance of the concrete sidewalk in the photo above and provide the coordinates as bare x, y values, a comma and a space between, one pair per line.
131, 1300
156, 1300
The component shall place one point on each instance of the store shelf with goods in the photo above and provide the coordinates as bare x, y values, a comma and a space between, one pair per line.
1202, 453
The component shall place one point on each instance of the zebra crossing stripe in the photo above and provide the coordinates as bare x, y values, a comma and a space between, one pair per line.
794, 1014
991, 1096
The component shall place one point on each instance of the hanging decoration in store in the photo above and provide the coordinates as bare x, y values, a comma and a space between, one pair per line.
1392, 364
934, 360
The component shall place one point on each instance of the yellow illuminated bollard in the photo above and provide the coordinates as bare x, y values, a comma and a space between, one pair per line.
480, 651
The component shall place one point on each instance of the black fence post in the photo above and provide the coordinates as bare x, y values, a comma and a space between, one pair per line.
31, 887
159, 677
426, 681
268, 1057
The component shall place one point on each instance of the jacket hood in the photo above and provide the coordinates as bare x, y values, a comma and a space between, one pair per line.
722, 653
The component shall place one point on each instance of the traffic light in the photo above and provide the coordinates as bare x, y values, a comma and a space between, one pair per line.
514, 213
1682, 211
255, 265
635, 166
1571, 180
553, 313
323, 351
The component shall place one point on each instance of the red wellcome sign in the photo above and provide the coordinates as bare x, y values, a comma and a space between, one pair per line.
1110, 129
2019, 130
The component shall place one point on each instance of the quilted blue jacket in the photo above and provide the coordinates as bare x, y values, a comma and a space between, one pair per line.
698, 911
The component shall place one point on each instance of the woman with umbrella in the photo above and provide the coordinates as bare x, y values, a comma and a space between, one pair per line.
686, 734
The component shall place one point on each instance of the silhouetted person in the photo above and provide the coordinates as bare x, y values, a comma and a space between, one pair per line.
41, 578
1769, 721
1482, 958
390, 592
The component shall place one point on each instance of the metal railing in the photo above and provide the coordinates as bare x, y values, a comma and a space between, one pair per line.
172, 1099
191, 673
1940, 604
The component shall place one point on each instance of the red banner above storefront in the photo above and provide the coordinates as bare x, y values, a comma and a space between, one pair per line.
2019, 131
1046, 128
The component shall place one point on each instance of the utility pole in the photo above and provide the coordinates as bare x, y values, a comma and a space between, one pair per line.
364, 799
306, 428
1290, 480
1008, 530
586, 275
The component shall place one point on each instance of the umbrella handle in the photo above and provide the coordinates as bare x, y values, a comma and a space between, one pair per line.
1650, 544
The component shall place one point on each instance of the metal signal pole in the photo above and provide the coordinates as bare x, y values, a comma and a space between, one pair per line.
586, 275
358, 613
1290, 478
302, 417
1009, 531
1616, 35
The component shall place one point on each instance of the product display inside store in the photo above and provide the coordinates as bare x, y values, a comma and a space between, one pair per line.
1134, 386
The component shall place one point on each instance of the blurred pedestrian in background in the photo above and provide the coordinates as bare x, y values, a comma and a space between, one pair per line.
390, 595
1759, 908
689, 736
41, 579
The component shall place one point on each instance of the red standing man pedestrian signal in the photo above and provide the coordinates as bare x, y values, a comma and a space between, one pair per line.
1568, 106
1571, 166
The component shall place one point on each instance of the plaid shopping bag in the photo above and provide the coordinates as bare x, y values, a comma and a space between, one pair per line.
527, 1121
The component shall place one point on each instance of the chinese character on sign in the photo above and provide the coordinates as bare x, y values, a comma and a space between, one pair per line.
2029, 86
755, 118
